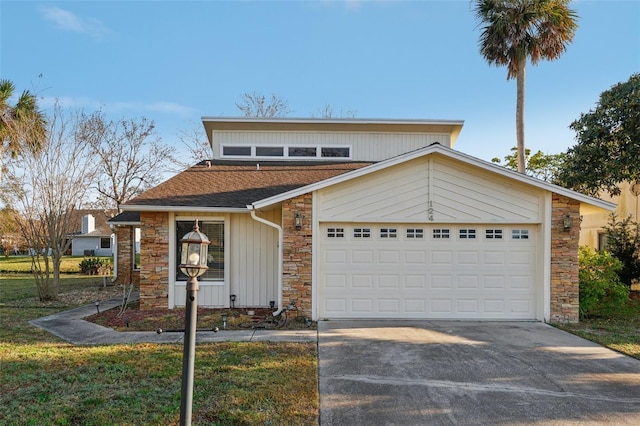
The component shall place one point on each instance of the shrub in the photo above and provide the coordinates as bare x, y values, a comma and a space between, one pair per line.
623, 242
95, 266
600, 285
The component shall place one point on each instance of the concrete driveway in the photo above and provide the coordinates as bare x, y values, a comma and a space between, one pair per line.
470, 373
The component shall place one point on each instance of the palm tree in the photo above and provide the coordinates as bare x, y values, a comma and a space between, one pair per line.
517, 30
22, 126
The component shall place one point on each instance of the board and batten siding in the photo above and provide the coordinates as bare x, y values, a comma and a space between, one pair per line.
364, 146
430, 189
251, 255
254, 259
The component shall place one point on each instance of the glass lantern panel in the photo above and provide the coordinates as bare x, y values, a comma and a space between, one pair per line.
214, 254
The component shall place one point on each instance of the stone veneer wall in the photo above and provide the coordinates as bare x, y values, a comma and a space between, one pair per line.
564, 260
154, 260
297, 251
126, 274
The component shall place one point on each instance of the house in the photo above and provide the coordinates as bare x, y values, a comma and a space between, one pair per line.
94, 235
592, 232
358, 219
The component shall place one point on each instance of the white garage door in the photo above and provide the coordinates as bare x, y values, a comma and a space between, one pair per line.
410, 271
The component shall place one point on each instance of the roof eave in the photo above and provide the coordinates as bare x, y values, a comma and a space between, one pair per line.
194, 209
444, 151
211, 124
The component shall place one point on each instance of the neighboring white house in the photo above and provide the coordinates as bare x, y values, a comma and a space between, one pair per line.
95, 237
360, 219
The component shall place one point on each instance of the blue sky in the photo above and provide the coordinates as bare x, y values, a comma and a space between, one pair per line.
174, 62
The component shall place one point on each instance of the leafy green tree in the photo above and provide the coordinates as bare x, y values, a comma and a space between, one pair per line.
539, 165
21, 125
517, 30
600, 286
623, 242
608, 149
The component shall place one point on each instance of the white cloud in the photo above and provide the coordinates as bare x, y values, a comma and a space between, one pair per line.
68, 21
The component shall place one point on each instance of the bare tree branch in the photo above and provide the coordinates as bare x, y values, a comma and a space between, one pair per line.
47, 187
257, 105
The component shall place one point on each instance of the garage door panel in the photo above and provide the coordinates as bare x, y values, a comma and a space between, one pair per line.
335, 280
427, 277
362, 306
415, 257
388, 257
336, 256
389, 281
361, 281
494, 257
468, 258
362, 257
494, 282
417, 282
389, 306
441, 281
441, 306
467, 306
439, 257
415, 306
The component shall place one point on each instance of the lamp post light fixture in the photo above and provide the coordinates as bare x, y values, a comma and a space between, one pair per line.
193, 263
224, 321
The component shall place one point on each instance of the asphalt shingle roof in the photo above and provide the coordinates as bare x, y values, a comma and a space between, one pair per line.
235, 184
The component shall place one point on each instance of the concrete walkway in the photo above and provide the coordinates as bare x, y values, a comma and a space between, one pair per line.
71, 326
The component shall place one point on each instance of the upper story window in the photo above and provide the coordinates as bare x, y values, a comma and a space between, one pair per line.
303, 151
269, 151
342, 152
294, 152
235, 151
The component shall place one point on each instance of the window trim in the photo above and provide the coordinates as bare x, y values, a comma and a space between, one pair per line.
102, 239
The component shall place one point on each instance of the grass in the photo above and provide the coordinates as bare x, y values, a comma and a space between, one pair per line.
618, 330
44, 380
22, 264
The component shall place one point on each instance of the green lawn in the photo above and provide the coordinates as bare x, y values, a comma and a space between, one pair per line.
618, 330
22, 264
44, 380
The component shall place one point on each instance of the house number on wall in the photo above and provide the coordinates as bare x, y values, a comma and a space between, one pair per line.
430, 211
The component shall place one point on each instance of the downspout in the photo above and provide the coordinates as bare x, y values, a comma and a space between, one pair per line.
280, 254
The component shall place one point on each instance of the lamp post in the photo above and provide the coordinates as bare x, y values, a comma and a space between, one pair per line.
193, 263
